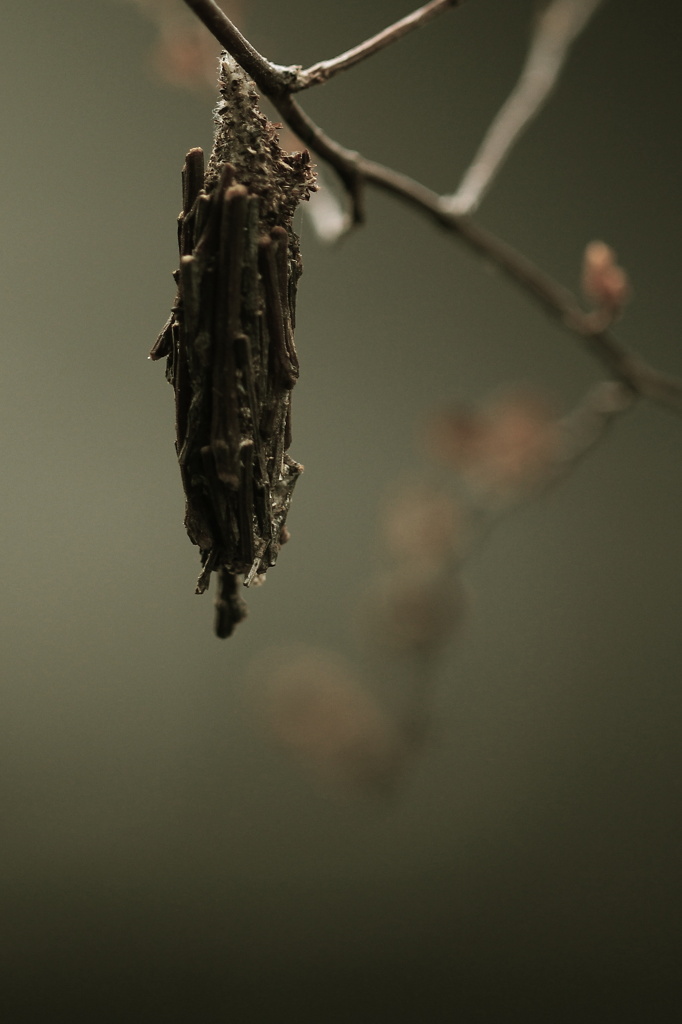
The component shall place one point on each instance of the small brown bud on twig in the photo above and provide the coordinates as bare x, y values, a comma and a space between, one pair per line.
603, 280
317, 711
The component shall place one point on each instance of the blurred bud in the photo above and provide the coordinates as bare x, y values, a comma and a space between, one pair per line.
414, 610
185, 54
454, 437
603, 280
506, 446
316, 710
521, 442
422, 525
185, 59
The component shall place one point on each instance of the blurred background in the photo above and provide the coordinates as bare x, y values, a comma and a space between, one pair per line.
161, 858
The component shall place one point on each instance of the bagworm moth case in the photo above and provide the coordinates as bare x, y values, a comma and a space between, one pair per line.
229, 343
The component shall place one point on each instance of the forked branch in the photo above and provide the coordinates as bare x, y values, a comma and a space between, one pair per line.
271, 79
274, 79
558, 26
324, 69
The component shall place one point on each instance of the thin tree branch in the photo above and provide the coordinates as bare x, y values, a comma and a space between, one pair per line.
318, 73
276, 79
557, 300
557, 27
272, 79
355, 171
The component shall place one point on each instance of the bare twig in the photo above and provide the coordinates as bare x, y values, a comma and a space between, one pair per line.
556, 28
557, 300
272, 79
277, 79
324, 69
355, 171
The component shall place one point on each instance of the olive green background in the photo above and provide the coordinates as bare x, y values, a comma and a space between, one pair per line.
159, 860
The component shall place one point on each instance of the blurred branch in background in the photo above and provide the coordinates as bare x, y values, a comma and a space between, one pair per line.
557, 26
315, 708
473, 468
